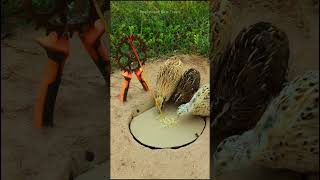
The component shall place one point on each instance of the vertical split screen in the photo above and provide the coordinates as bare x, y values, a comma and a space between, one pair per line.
220, 89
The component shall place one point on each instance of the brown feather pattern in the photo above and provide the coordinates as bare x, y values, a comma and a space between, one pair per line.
252, 71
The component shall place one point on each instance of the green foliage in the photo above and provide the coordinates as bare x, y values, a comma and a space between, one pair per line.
166, 26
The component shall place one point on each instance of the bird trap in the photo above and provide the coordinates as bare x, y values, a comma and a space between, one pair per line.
131, 54
171, 131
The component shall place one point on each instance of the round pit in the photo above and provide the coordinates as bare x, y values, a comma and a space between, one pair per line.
148, 129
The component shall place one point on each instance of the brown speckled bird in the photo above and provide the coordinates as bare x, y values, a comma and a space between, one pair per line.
175, 82
167, 80
288, 131
251, 72
286, 138
199, 105
220, 27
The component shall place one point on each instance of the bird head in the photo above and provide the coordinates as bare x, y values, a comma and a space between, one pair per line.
183, 110
159, 102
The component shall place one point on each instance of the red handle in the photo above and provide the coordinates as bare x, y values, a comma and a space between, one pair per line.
125, 87
142, 80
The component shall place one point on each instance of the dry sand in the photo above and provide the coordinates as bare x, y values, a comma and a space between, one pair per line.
29, 154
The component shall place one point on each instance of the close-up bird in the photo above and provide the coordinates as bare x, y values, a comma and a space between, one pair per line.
187, 86
252, 70
285, 139
175, 82
199, 105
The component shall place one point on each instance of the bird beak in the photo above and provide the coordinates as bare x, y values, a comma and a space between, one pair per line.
159, 103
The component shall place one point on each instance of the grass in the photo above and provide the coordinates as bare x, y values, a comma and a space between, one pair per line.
168, 27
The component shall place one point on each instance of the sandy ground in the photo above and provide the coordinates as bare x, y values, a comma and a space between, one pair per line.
53, 154
298, 19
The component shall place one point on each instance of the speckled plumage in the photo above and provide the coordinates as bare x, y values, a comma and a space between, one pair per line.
231, 155
176, 82
220, 36
199, 104
286, 138
233, 160
288, 131
187, 86
168, 78
251, 72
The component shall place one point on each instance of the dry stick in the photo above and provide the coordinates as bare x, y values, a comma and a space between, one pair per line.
100, 14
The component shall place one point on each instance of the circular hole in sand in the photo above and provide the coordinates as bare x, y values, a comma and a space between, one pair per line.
148, 130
